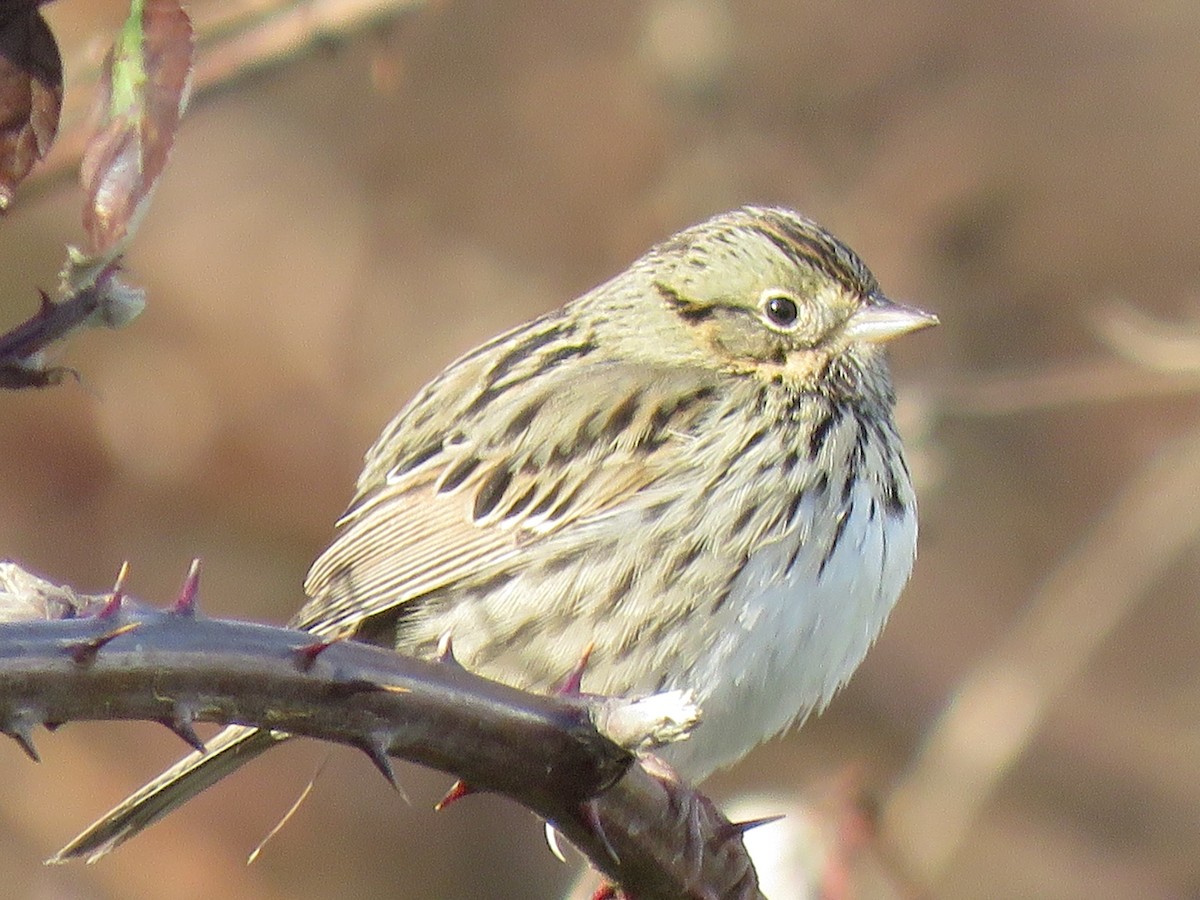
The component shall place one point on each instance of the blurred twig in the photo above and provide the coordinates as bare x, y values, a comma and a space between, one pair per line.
999, 707
1059, 387
1150, 342
1161, 359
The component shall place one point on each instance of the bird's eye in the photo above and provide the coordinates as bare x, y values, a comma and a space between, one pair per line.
780, 309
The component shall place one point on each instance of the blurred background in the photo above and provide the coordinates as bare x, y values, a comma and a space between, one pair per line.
334, 229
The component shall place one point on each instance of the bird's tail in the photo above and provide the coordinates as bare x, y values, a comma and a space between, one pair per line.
229, 749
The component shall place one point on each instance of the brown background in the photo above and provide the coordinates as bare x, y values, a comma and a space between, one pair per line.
332, 232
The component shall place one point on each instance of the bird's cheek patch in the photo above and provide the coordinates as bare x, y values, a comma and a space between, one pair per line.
805, 365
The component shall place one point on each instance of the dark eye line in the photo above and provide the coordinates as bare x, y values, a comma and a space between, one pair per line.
690, 311
682, 307
694, 313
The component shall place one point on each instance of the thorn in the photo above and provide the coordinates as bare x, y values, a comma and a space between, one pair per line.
181, 724
113, 606
591, 817
25, 740
457, 791
730, 830
552, 843
185, 604
20, 729
574, 681
445, 651
306, 656
376, 750
84, 652
47, 305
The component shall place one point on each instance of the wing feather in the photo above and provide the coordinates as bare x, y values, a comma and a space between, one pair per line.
421, 531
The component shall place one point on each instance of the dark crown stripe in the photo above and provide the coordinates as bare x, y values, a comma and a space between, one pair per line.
818, 250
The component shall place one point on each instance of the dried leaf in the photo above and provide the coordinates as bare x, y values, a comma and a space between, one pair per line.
30, 93
141, 99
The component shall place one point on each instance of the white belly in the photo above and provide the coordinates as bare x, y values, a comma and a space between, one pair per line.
798, 634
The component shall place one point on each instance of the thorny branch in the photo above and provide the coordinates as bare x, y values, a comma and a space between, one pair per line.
64, 657
22, 348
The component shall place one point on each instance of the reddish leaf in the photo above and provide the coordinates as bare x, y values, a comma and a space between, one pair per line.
30, 93
141, 98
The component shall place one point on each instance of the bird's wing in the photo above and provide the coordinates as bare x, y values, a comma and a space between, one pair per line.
467, 489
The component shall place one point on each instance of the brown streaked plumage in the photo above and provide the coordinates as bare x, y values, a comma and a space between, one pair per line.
692, 468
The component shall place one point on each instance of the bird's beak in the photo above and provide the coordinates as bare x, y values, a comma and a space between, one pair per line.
885, 320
